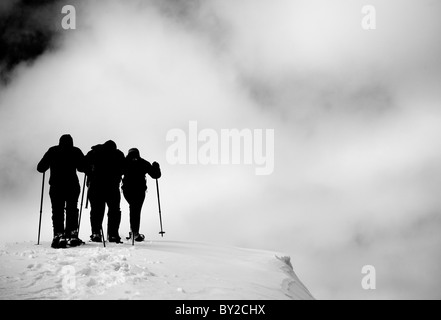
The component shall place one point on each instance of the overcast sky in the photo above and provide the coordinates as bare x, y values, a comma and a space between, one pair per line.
356, 116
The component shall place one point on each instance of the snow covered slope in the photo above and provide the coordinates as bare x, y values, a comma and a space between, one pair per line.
149, 270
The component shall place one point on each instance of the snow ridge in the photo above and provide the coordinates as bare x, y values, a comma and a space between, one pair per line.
149, 270
292, 283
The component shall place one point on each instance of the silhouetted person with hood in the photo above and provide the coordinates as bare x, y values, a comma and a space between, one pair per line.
135, 187
105, 165
63, 161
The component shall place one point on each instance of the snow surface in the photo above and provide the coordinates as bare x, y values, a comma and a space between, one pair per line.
149, 270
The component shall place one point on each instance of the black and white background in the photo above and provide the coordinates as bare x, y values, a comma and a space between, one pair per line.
356, 115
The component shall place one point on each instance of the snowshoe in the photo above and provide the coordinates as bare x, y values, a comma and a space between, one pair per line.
115, 239
138, 237
96, 237
63, 243
75, 242
58, 241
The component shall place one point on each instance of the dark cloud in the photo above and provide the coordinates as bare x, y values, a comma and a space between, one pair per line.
198, 17
27, 31
311, 98
180, 10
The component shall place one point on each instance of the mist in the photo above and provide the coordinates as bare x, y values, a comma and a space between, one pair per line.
355, 114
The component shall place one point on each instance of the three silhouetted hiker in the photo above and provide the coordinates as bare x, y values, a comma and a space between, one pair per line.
63, 161
104, 168
135, 187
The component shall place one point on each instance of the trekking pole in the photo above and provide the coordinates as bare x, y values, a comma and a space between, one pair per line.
102, 236
87, 195
87, 199
133, 238
159, 206
81, 208
41, 208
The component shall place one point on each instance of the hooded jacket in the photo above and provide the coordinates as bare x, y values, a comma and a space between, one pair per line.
63, 160
105, 165
136, 169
